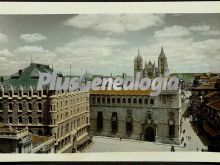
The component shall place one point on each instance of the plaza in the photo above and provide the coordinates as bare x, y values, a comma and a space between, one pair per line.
110, 144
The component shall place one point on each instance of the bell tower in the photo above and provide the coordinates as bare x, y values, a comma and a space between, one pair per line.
138, 64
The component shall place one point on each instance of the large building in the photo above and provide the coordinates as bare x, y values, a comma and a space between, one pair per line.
62, 114
136, 114
150, 69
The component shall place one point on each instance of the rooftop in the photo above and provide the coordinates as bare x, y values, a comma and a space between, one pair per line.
215, 105
27, 77
121, 92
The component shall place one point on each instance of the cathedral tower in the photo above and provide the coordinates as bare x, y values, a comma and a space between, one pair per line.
138, 64
162, 64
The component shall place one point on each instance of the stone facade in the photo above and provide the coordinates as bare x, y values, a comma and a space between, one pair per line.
140, 116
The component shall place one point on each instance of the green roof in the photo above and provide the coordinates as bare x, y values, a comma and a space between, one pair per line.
27, 77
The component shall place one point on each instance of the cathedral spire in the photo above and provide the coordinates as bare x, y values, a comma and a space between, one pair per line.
162, 54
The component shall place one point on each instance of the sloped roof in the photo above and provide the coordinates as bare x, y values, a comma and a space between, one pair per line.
215, 105
28, 76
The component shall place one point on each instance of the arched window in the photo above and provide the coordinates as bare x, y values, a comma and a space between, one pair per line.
113, 100
20, 120
135, 101
103, 100
29, 106
39, 106
140, 101
151, 101
145, 101
118, 100
10, 107
124, 100
40, 120
1, 93
30, 120
20, 106
108, 100
10, 119
129, 100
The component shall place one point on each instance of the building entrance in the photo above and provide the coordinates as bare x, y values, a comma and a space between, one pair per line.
149, 134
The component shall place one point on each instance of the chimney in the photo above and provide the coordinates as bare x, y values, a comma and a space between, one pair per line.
20, 72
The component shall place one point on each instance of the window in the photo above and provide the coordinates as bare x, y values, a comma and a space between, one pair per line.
30, 120
87, 120
39, 106
135, 101
1, 93
20, 106
93, 100
151, 101
20, 93
67, 128
10, 93
118, 100
29, 93
20, 120
145, 101
103, 100
1, 106
113, 100
10, 107
114, 122
171, 131
108, 100
1, 119
129, 122
124, 100
40, 120
99, 121
29, 106
10, 119
98, 100
129, 100
140, 101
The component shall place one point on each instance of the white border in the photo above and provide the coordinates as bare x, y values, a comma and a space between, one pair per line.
108, 7
111, 8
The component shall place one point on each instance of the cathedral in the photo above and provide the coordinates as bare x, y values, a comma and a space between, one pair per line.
150, 69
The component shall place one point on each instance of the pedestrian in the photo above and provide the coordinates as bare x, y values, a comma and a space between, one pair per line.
197, 149
120, 138
184, 145
172, 149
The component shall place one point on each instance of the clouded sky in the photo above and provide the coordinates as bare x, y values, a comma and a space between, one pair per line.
107, 44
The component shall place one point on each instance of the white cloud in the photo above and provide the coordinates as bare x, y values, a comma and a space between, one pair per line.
200, 28
173, 31
32, 37
33, 50
6, 53
3, 38
211, 33
117, 23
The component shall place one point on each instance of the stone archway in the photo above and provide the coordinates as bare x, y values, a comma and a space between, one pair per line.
149, 134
